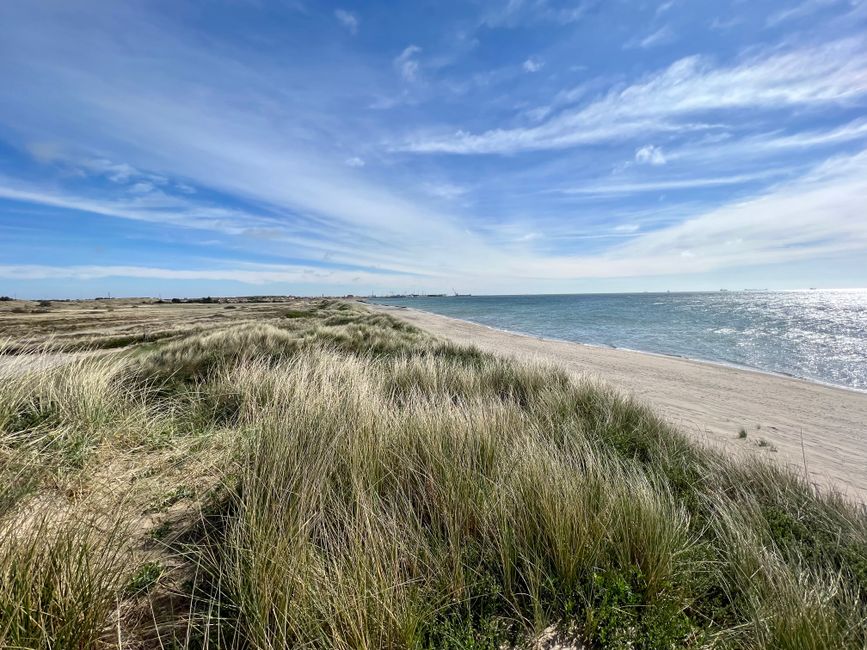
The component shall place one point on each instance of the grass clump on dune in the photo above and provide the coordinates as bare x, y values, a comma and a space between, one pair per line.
467, 509
363, 485
58, 580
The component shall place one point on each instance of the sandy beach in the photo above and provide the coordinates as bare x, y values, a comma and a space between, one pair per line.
798, 422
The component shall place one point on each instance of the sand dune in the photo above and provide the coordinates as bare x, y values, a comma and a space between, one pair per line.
801, 423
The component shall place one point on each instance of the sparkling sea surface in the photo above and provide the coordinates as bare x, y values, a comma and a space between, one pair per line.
819, 335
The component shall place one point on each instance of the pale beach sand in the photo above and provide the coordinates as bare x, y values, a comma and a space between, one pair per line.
821, 426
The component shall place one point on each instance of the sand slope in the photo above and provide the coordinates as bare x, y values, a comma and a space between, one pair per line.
822, 427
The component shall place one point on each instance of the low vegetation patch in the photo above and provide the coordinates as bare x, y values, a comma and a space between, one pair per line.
322, 475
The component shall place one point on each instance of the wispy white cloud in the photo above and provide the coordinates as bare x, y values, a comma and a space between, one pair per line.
658, 37
346, 244
664, 6
819, 214
804, 8
763, 146
672, 99
854, 130
348, 19
261, 152
661, 185
142, 187
538, 113
822, 214
148, 206
447, 191
244, 273
565, 97
355, 161
407, 62
44, 152
722, 24
532, 64
120, 173
513, 13
183, 187
115, 172
649, 155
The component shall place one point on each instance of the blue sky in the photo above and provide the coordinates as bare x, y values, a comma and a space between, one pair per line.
249, 147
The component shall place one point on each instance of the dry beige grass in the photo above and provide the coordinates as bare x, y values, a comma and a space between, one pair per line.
311, 474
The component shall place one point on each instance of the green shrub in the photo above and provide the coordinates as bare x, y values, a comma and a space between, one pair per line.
144, 579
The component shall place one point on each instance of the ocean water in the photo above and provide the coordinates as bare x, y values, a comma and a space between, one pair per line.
816, 335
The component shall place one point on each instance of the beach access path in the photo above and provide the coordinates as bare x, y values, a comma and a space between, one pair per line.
802, 423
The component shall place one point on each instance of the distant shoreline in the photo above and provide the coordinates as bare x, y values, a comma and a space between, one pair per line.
681, 357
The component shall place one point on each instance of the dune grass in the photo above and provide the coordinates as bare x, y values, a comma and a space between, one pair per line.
330, 477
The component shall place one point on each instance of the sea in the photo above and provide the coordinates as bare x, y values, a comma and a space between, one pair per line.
818, 335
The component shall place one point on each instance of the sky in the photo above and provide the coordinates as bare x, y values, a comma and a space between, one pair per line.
244, 147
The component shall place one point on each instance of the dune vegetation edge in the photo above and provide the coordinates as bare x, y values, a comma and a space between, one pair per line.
315, 474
